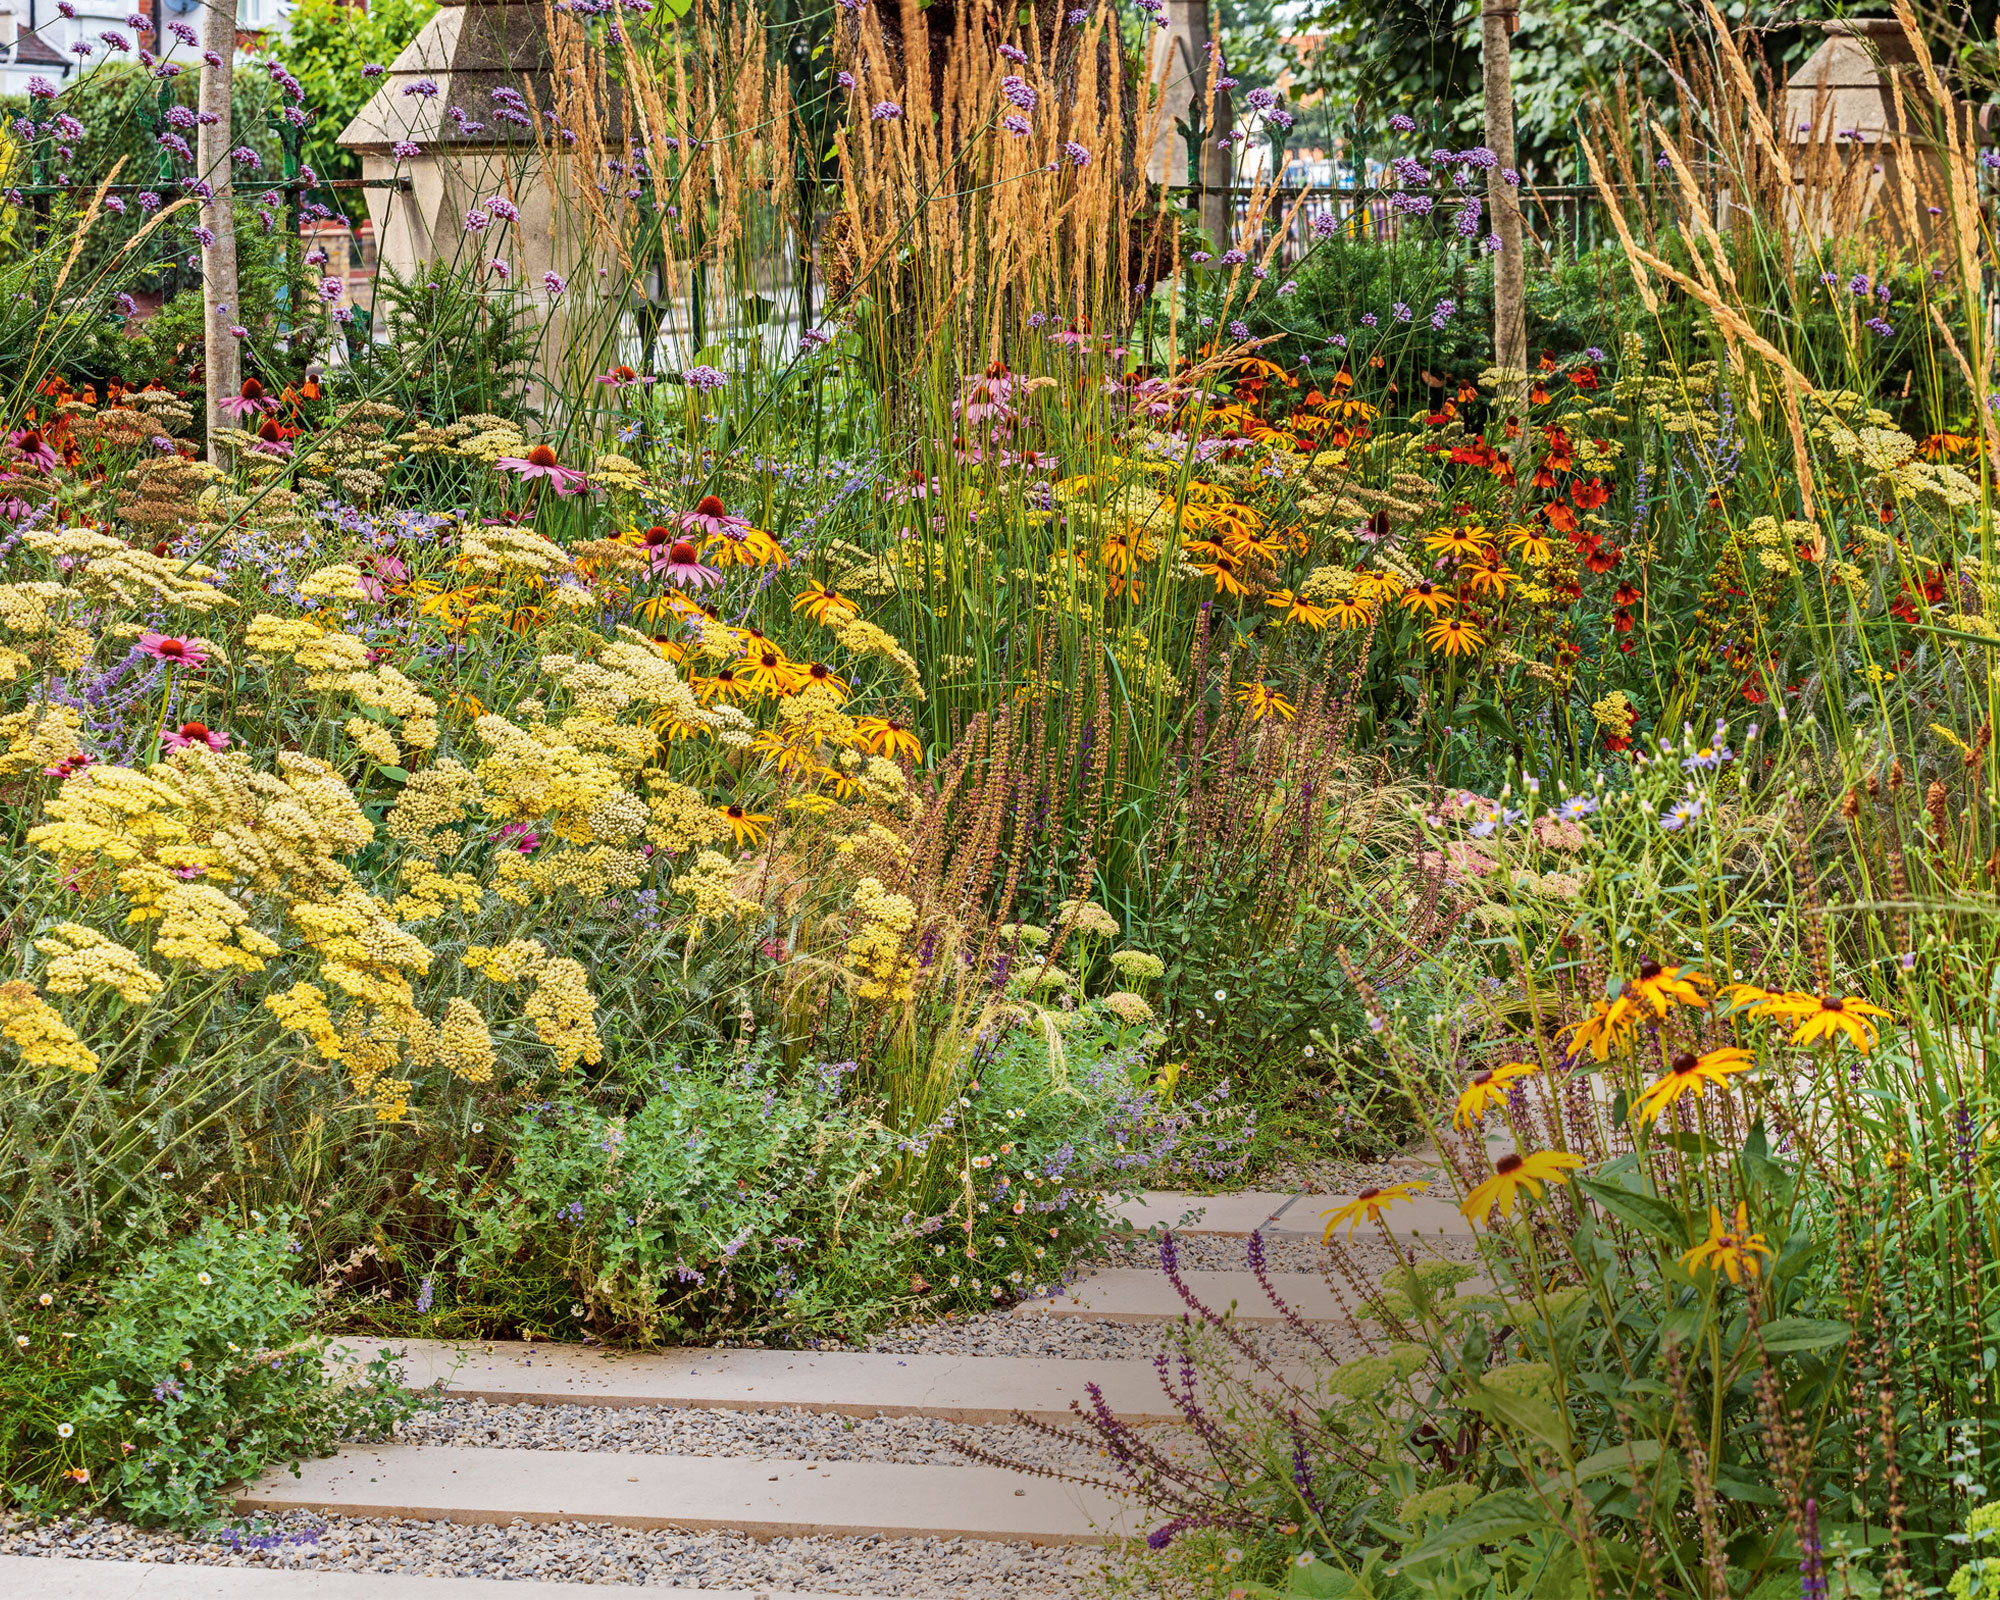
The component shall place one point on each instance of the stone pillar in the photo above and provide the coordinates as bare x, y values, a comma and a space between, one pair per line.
1179, 63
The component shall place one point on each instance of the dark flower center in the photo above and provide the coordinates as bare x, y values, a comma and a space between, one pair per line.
735, 813
818, 671
1683, 1064
1507, 1164
1368, 1194
709, 506
1831, 1005
623, 374
768, 661
269, 431
657, 535
683, 553
252, 389
1648, 971
31, 441
1483, 1077
194, 730
542, 456
172, 647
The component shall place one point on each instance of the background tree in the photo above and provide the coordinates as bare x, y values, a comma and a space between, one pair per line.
325, 47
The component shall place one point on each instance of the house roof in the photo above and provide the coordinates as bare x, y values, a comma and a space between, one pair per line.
31, 50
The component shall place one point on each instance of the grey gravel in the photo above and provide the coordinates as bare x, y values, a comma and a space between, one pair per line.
583, 1553
778, 1434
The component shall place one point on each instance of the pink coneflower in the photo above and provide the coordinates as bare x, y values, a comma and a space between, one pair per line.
519, 836
175, 652
622, 378
387, 570
69, 766
678, 559
35, 448
983, 403
710, 519
252, 399
541, 462
271, 440
193, 733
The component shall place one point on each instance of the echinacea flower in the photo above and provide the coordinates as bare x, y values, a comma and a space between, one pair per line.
1511, 1175
710, 518
541, 462
622, 377
1691, 1074
248, 401
676, 558
1734, 1249
35, 448
1368, 1206
747, 827
173, 651
1488, 1088
194, 733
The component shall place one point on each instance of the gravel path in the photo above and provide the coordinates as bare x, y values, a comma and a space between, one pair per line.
780, 1434
580, 1553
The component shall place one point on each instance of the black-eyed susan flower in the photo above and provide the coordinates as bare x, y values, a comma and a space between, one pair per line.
726, 685
825, 604
1691, 1074
1529, 543
1454, 636
1488, 1088
1296, 609
1481, 576
823, 675
1350, 611
1512, 1174
1457, 541
768, 672
883, 736
1368, 1206
1607, 1028
1427, 596
1223, 570
1733, 1249
748, 827
1263, 701
1663, 987
1826, 1017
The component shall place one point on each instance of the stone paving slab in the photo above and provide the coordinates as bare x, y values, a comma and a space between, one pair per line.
759, 1499
1237, 1215
1130, 1294
1420, 1215
57, 1578
853, 1383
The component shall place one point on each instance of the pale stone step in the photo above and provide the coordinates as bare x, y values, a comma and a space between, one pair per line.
1235, 1214
1128, 1294
760, 1499
1421, 1214
39, 1578
854, 1383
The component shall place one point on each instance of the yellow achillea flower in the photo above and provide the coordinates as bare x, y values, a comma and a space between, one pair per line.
711, 887
1734, 1249
200, 923
507, 963
875, 952
564, 1013
38, 1031
80, 956
1488, 1088
464, 1044
373, 740
38, 738
1368, 1206
302, 1009
1691, 1074
1512, 1174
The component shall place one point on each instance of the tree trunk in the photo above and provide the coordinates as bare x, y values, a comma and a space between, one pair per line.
1498, 19
222, 360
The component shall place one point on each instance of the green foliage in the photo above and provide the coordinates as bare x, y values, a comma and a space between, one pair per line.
325, 46
450, 345
149, 1391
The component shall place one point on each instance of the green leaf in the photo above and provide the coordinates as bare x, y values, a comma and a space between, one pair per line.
1508, 1514
394, 774
1619, 1458
1645, 1212
1804, 1333
1536, 1418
